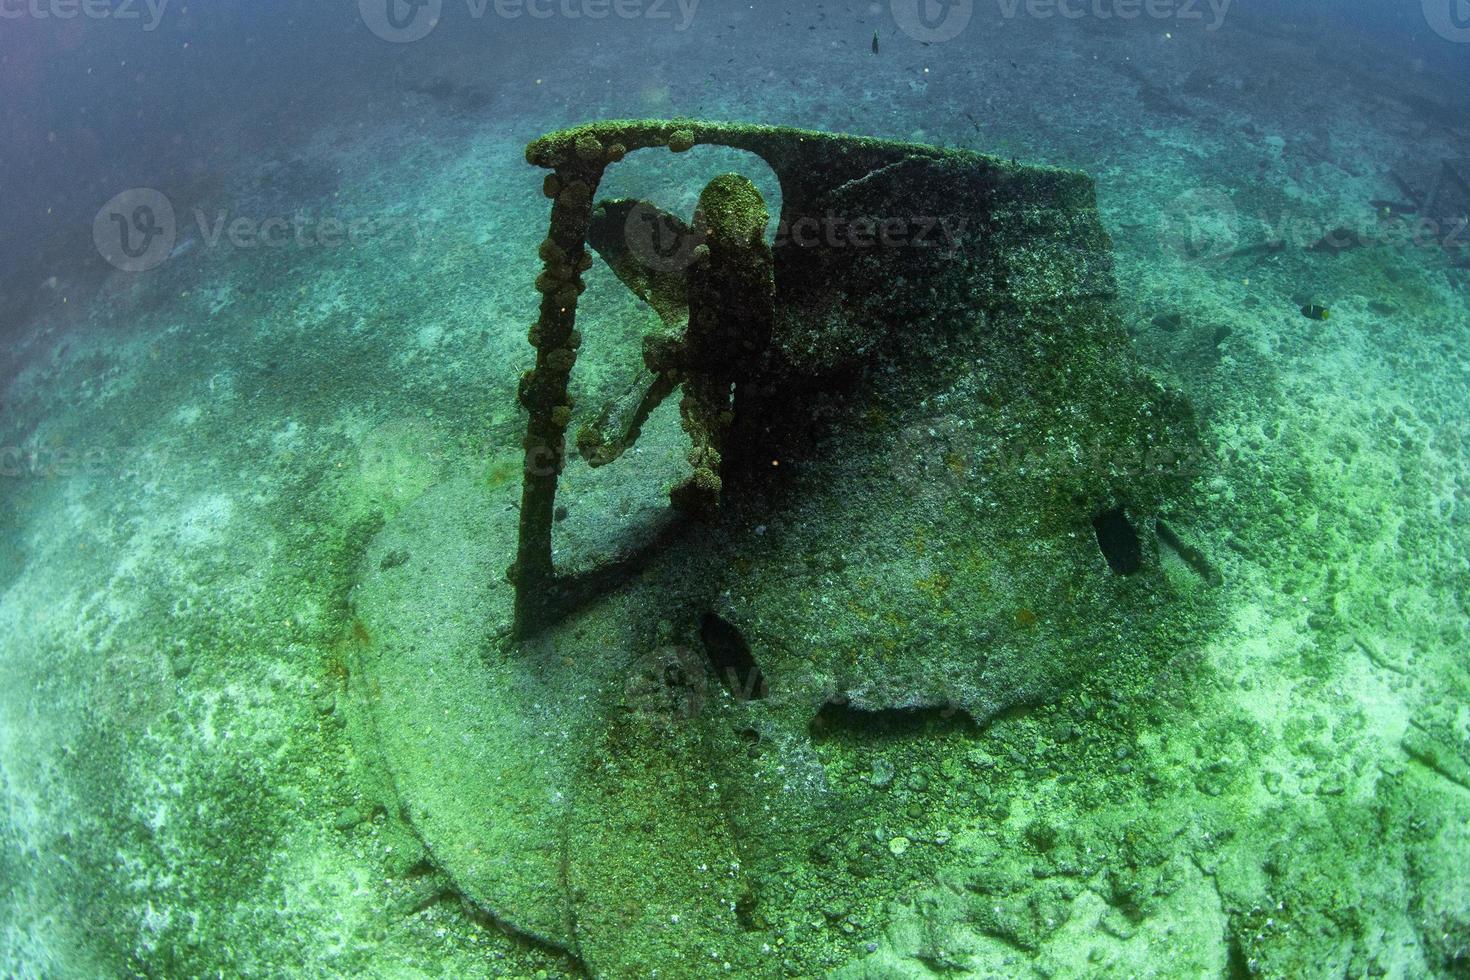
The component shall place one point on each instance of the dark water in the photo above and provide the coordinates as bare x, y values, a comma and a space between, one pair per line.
113, 95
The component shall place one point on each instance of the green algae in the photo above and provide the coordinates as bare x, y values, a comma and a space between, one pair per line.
927, 546
1317, 512
1031, 248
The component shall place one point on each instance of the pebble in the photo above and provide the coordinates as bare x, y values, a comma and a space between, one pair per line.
393, 560
348, 818
898, 846
882, 775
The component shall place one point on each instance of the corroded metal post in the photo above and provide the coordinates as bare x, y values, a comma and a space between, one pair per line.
543, 389
831, 306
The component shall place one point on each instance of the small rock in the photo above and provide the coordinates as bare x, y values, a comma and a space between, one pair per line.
348, 819
882, 775
898, 846
1116, 925
980, 760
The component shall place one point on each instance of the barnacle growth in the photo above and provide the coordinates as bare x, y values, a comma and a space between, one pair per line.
971, 468
922, 241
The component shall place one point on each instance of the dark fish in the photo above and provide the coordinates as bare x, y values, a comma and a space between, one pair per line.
1314, 312
875, 42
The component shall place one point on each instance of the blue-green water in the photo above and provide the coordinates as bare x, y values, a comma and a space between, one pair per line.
1083, 592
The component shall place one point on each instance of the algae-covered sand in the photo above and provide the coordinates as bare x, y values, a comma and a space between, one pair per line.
209, 463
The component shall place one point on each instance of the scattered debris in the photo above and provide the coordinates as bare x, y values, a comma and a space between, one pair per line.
1191, 556
1377, 656
1429, 751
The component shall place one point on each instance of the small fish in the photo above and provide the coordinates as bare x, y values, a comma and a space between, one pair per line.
875, 42
1314, 312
